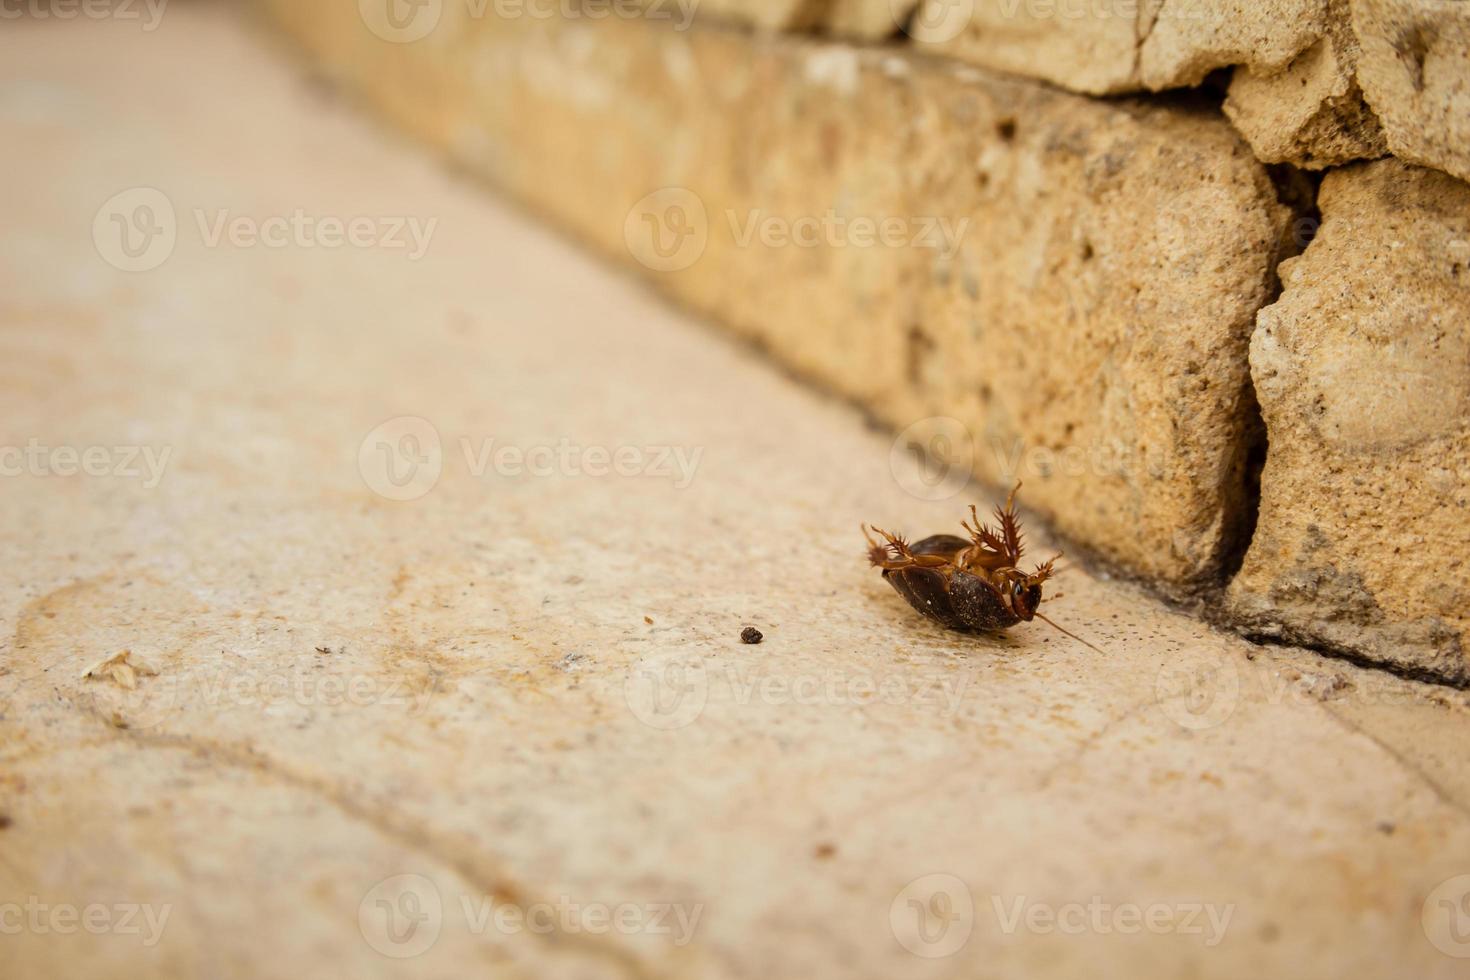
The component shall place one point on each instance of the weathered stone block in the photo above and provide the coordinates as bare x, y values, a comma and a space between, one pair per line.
1074, 281
1312, 112
1110, 46
1415, 73
1295, 91
1363, 373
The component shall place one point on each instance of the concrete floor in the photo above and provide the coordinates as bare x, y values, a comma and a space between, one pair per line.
397, 704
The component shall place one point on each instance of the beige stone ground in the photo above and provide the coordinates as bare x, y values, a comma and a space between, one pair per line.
526, 691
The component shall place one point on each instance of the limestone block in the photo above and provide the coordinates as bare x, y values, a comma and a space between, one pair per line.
1363, 373
1311, 113
1415, 73
1110, 46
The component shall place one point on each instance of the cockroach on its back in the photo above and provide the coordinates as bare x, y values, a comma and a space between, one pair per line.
967, 584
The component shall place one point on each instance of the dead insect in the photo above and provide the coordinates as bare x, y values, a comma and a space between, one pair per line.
972, 584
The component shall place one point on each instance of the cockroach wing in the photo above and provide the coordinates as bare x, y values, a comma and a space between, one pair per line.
926, 590
945, 545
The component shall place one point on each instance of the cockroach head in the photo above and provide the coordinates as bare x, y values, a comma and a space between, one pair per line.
1026, 592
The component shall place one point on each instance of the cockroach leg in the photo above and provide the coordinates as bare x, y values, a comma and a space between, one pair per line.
895, 555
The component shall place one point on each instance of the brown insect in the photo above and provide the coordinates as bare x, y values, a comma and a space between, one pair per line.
972, 584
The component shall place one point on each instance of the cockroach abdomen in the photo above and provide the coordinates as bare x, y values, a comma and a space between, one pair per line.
924, 589
977, 605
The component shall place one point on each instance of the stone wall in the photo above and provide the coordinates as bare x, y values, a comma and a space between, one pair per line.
1068, 286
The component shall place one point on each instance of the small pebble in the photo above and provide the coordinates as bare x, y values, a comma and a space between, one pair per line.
751, 635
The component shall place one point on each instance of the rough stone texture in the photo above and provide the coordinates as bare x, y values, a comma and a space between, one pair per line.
1084, 310
1111, 46
1302, 67
481, 715
1295, 91
1312, 112
1363, 373
1415, 72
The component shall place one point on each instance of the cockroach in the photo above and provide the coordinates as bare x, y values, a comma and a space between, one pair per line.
972, 583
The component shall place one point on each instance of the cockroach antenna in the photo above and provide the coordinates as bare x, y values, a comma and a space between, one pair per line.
1068, 632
